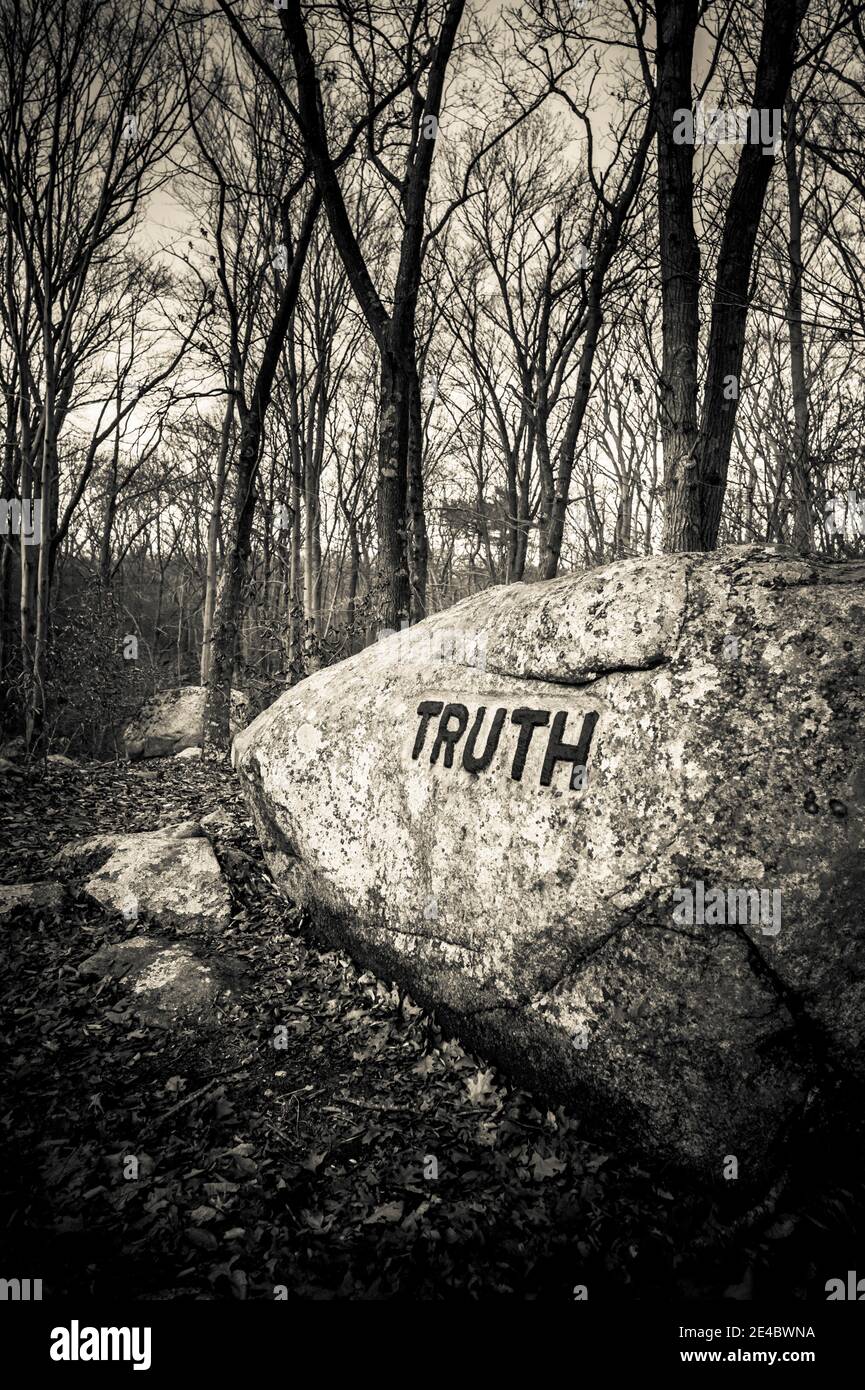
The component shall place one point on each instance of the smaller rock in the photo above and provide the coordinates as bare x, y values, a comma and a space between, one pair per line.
167, 983
189, 753
170, 874
172, 721
30, 897
95, 849
60, 760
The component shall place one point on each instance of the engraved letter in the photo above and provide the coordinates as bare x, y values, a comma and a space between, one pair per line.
449, 737
559, 752
530, 719
426, 709
470, 762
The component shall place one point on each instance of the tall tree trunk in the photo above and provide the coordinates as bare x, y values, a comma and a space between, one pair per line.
226, 615
513, 517
295, 643
523, 519
622, 535
36, 692
38, 695
696, 470
353, 581
803, 520
558, 509
109, 511
210, 581
608, 245
394, 334
181, 597
311, 549
227, 606
11, 461
419, 547
680, 277
27, 557
157, 617
295, 615
312, 506
393, 432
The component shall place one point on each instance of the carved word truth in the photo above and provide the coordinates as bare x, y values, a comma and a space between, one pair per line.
454, 726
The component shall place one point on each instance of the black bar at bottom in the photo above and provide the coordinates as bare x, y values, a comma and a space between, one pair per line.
227, 1340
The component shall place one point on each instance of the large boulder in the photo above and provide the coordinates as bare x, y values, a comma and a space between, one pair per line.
172, 720
551, 812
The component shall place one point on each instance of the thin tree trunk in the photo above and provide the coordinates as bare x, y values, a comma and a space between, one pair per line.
393, 432
607, 248
10, 463
181, 593
680, 277
27, 558
312, 509
353, 580
419, 547
394, 334
295, 644
803, 521
213, 532
227, 606
696, 472
523, 520
226, 615
513, 518
36, 698
110, 509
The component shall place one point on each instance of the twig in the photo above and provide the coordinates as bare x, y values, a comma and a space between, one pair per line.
215, 1080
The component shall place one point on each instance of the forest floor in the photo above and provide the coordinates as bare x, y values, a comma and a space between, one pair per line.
306, 1169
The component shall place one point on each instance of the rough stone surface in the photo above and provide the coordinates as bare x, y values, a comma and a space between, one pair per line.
173, 720
171, 875
167, 982
32, 897
538, 919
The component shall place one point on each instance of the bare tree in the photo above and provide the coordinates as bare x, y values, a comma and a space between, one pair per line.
697, 443
393, 330
92, 113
